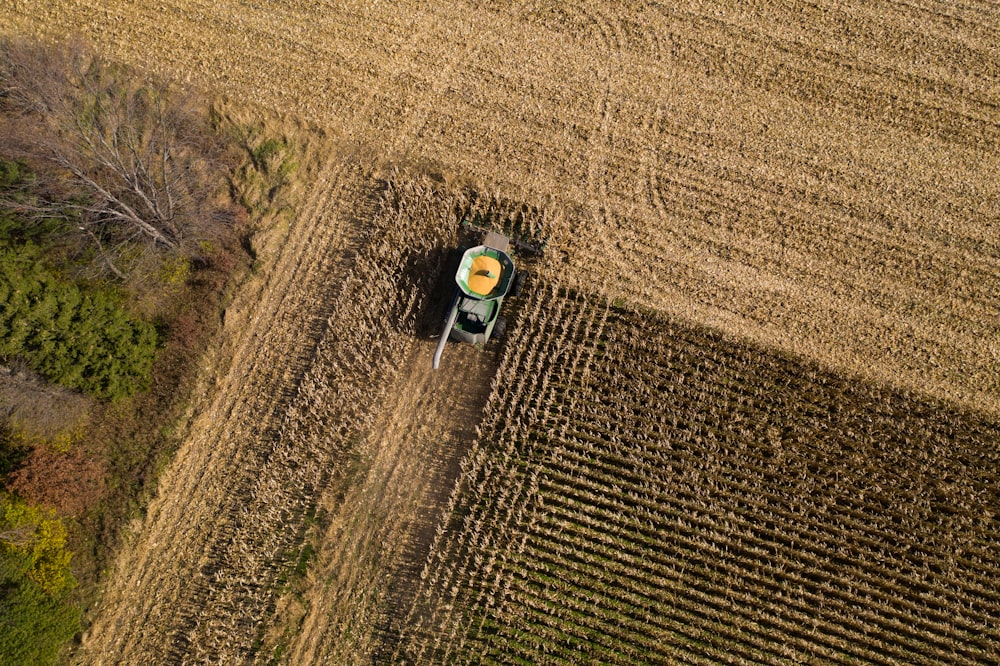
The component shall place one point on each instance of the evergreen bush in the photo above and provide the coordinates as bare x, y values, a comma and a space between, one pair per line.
78, 338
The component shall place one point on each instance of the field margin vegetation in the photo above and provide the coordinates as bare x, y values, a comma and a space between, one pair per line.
81, 455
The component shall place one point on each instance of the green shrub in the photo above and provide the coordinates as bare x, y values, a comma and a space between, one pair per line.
35, 539
174, 271
34, 626
36, 618
78, 338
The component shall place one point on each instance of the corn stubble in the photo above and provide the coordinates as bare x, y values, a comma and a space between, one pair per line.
818, 178
750, 411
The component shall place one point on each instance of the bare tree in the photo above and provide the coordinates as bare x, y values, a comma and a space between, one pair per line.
125, 160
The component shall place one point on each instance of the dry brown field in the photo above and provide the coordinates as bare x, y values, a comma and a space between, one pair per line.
748, 412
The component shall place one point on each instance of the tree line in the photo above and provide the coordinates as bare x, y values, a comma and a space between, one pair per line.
112, 187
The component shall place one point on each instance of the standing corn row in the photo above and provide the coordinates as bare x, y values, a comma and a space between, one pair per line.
648, 492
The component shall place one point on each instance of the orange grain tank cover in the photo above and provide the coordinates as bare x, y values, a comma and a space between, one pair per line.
484, 274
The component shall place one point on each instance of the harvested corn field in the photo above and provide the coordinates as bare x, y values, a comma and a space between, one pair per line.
749, 415
819, 177
327, 440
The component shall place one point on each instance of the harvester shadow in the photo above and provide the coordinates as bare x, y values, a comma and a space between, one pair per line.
440, 264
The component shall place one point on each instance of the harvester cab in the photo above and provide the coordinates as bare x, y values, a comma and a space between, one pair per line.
485, 275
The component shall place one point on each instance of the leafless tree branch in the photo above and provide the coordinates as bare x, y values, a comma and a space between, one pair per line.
131, 146
19, 536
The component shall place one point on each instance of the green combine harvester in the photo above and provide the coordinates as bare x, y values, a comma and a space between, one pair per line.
485, 276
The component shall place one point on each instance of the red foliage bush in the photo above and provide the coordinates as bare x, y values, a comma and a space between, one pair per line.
70, 482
